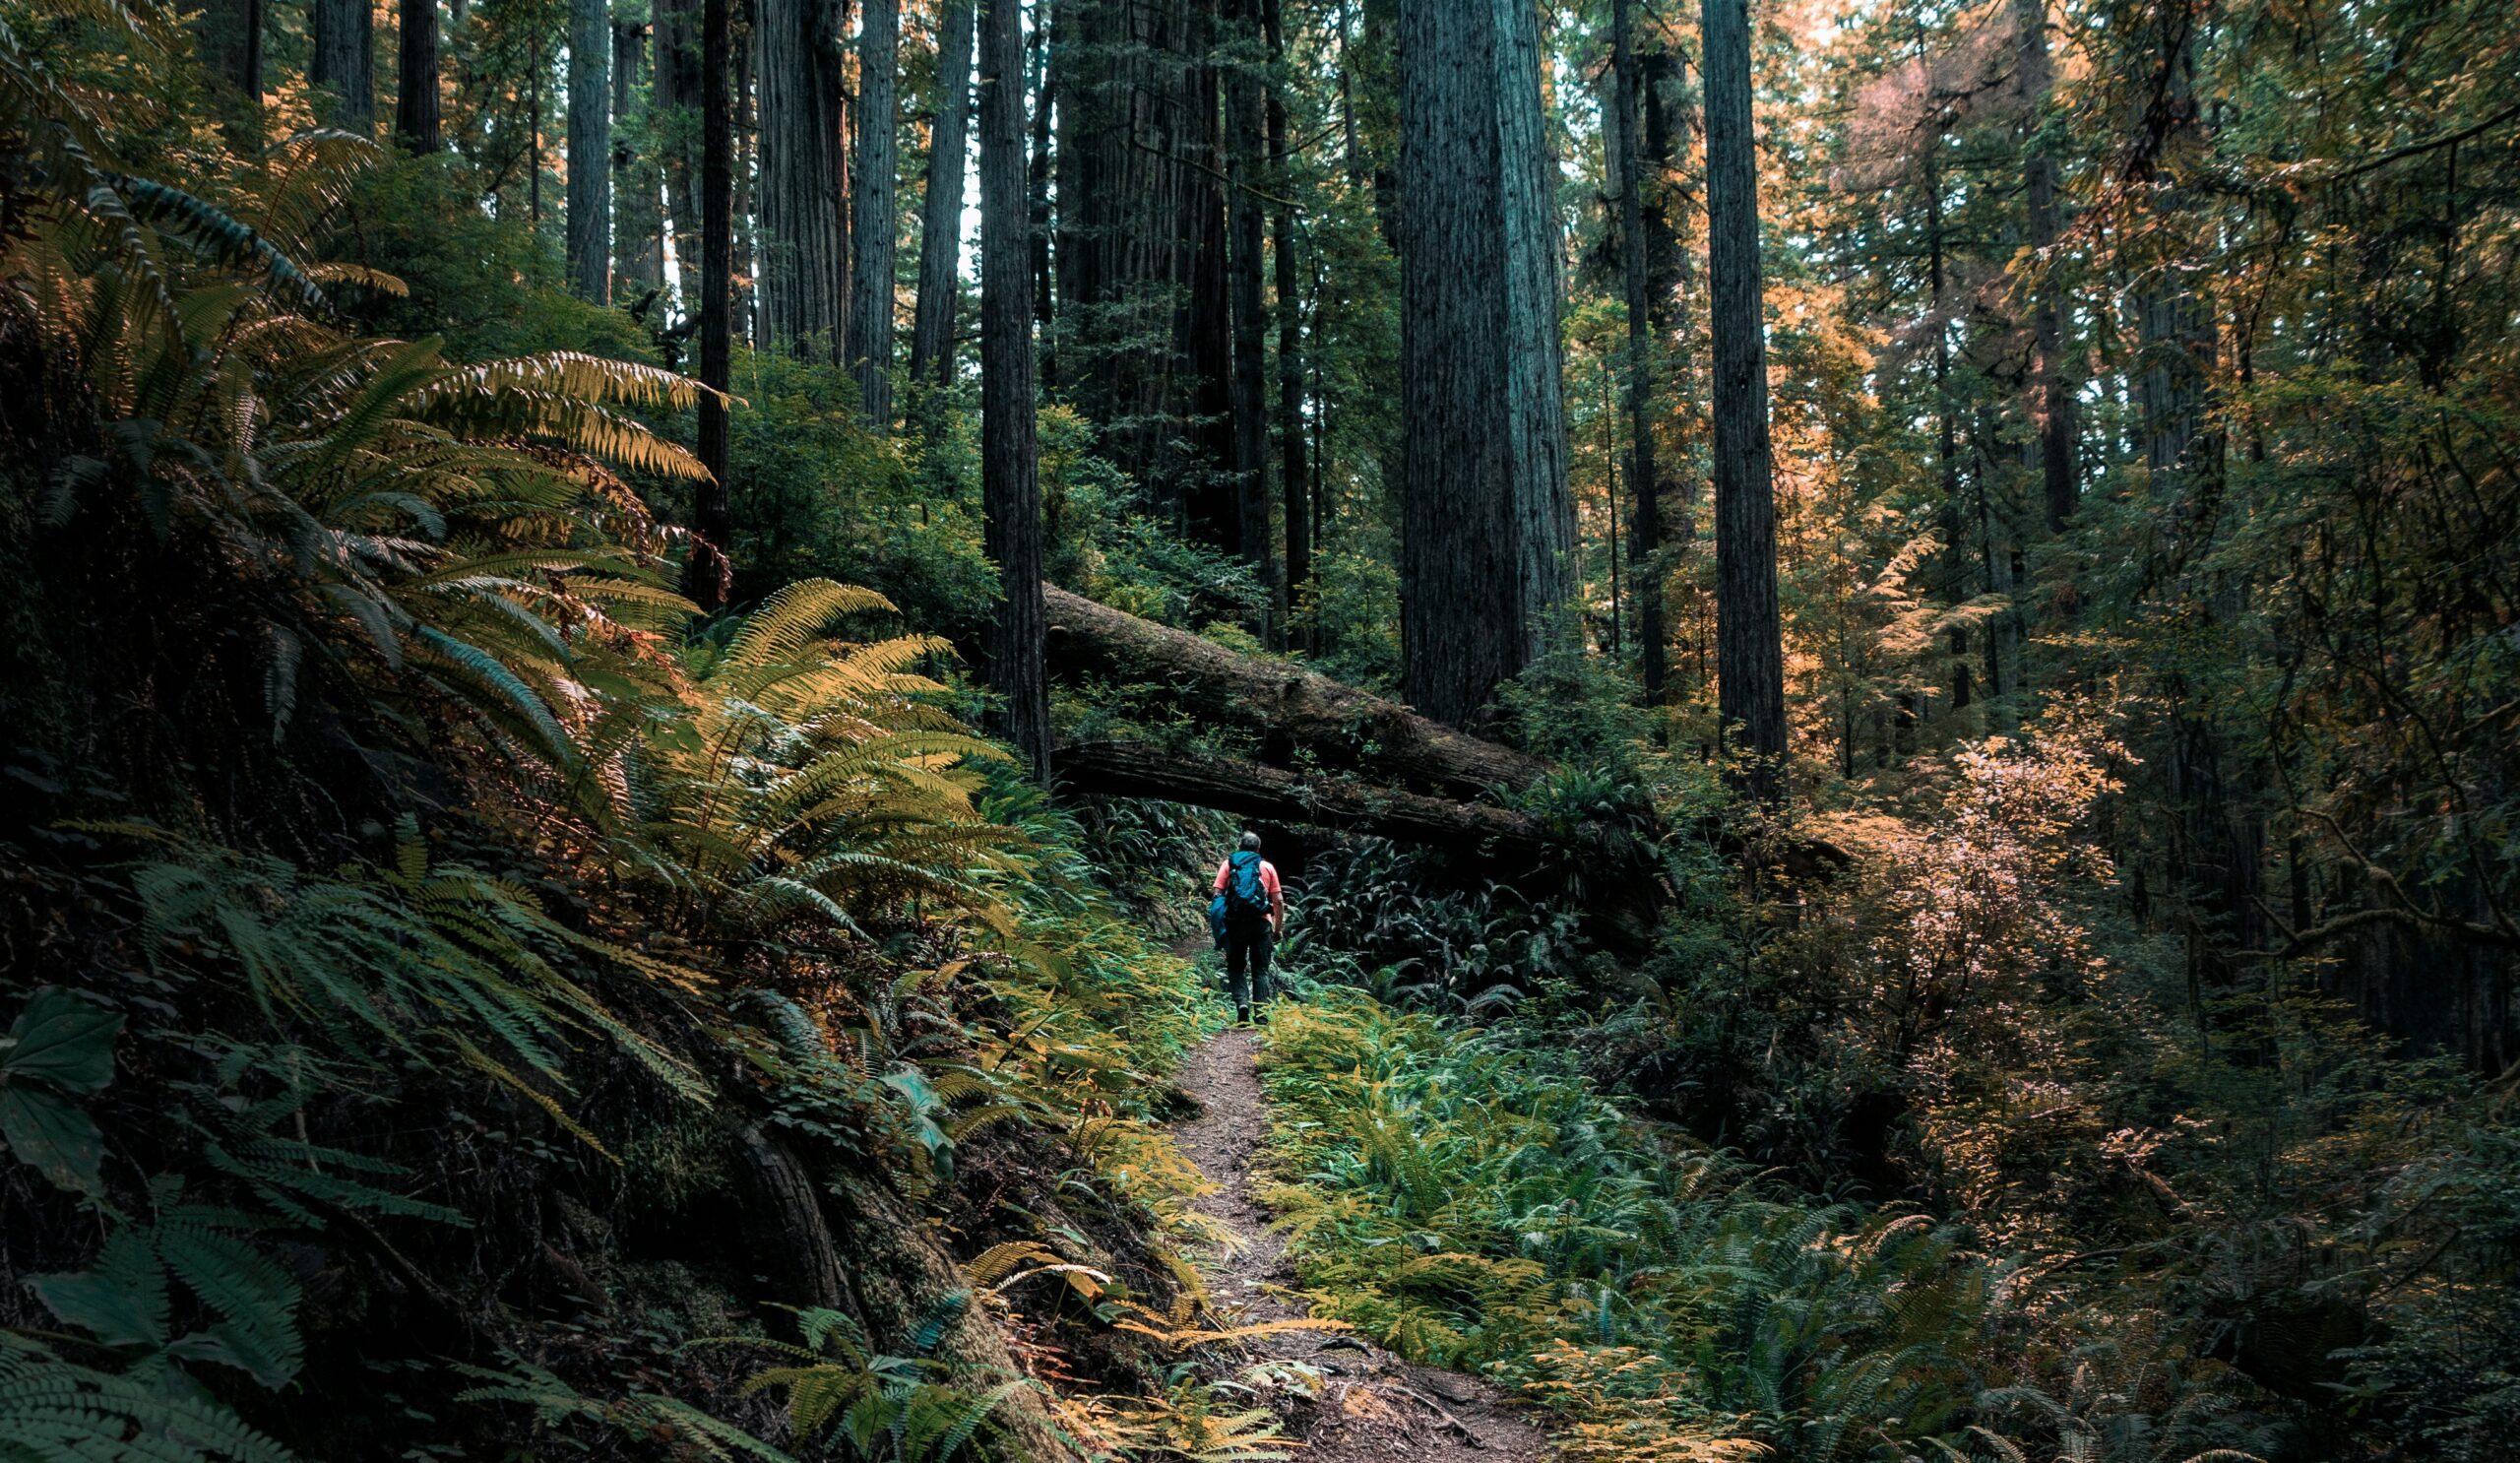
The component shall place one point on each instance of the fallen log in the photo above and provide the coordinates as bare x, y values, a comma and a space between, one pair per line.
1296, 713
1254, 790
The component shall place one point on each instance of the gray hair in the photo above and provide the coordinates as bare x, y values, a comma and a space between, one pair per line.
1251, 840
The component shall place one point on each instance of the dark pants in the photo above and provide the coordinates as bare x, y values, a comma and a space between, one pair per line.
1247, 961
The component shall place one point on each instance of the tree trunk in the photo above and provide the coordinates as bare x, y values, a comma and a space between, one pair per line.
746, 115
415, 99
1749, 662
591, 149
804, 278
640, 263
708, 575
2054, 389
1644, 475
343, 62
1010, 467
870, 311
1145, 328
1243, 232
795, 1239
1486, 526
1664, 77
677, 98
2220, 838
1303, 718
902, 1271
940, 231
1294, 481
230, 35
1045, 91
1253, 790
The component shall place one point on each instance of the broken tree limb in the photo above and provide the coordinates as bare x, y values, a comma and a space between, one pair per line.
1293, 710
1139, 769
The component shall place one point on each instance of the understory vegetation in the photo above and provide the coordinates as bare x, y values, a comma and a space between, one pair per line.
538, 919
1940, 1164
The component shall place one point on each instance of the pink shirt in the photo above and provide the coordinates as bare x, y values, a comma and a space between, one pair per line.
1268, 877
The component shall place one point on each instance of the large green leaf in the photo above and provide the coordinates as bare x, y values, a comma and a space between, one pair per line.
63, 1038
123, 1301
58, 1139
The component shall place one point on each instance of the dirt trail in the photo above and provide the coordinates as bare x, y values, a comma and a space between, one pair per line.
1373, 1406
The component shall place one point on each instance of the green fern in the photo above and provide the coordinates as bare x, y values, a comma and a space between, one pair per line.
53, 1411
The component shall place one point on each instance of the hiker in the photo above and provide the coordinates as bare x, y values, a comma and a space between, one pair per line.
1249, 912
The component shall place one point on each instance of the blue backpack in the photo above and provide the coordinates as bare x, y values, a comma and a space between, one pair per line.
1244, 900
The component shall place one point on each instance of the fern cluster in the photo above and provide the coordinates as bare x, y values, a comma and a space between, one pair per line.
1469, 1200
441, 815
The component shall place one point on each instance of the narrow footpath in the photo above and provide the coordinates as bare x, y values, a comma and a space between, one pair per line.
1372, 1405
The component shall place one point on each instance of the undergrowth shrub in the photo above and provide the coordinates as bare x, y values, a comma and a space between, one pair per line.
1468, 1198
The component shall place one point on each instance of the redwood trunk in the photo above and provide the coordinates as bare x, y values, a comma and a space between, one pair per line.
639, 249
1145, 328
804, 276
416, 98
1293, 479
707, 573
940, 231
343, 62
870, 311
1252, 789
591, 149
1749, 654
2054, 391
1487, 526
1010, 484
1243, 232
1303, 718
229, 34
1645, 480
678, 97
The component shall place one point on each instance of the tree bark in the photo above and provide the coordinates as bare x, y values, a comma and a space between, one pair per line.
1145, 328
1243, 232
1644, 476
1486, 526
677, 98
2053, 388
636, 221
591, 149
1010, 465
1749, 654
1294, 481
1302, 716
902, 1271
940, 231
416, 98
2220, 838
1664, 77
796, 1238
804, 274
1254, 790
1045, 91
708, 575
230, 35
343, 61
871, 312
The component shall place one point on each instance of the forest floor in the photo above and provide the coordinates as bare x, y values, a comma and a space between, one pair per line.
1372, 1405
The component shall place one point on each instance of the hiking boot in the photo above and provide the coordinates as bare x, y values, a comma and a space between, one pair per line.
1242, 1016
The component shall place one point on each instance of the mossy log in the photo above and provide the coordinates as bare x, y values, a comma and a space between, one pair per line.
1302, 718
1254, 790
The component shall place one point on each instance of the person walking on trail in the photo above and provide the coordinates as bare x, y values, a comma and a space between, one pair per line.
1249, 910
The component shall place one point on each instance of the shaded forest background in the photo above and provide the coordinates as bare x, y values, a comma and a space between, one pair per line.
551, 814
